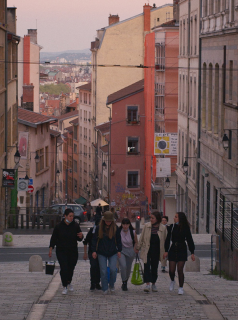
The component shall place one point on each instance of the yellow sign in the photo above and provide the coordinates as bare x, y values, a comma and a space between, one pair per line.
165, 144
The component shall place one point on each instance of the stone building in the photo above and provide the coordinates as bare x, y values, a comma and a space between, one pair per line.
218, 200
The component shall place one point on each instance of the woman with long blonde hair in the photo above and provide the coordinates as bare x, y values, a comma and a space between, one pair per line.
106, 245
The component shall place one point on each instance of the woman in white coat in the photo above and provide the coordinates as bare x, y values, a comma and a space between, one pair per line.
151, 246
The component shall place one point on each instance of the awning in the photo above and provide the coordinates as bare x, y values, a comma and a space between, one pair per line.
81, 200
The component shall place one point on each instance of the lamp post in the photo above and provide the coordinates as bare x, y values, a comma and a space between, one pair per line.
227, 141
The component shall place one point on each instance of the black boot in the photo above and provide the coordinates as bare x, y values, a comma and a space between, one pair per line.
124, 286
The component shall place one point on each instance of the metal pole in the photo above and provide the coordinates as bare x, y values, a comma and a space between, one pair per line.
219, 256
66, 185
211, 254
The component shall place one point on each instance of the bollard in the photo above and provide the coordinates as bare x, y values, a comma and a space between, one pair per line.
7, 239
35, 264
137, 224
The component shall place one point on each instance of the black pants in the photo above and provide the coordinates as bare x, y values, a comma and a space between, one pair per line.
94, 270
67, 259
151, 267
89, 216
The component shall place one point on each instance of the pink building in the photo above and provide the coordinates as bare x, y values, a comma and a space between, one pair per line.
126, 152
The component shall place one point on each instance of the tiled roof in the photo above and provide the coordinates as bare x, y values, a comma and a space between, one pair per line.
32, 119
86, 87
69, 129
75, 121
171, 23
103, 128
104, 148
126, 92
54, 133
68, 115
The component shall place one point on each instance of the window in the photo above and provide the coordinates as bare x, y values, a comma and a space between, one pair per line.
80, 97
40, 164
230, 79
209, 113
75, 133
60, 186
75, 148
204, 95
132, 114
60, 166
133, 177
75, 166
208, 208
47, 156
89, 99
70, 162
132, 147
202, 196
75, 185
85, 98
216, 104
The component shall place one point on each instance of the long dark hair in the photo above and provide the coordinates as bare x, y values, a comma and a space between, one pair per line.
126, 221
183, 221
157, 215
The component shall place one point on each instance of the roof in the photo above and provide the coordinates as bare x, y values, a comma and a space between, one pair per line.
75, 121
126, 92
104, 148
68, 115
171, 23
33, 119
54, 133
69, 129
86, 87
104, 128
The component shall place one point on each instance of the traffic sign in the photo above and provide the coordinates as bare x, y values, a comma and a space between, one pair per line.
30, 189
30, 182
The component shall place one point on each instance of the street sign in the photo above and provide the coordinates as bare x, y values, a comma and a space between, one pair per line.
30, 182
22, 185
30, 189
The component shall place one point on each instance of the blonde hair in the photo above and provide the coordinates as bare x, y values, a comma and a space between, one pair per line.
111, 230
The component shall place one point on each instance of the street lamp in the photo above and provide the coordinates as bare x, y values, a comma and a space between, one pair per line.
167, 182
225, 141
104, 165
37, 158
17, 157
185, 166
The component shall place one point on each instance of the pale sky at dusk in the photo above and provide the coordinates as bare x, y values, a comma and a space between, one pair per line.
71, 25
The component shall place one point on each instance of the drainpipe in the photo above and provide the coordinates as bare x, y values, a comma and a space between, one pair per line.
199, 121
109, 157
6, 103
188, 82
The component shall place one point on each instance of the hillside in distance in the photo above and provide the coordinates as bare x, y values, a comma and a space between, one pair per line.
69, 55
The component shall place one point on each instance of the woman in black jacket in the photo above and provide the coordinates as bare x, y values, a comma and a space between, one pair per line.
106, 245
65, 237
176, 252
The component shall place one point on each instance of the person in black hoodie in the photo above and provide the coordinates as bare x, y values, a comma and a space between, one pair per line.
176, 248
65, 237
106, 245
94, 264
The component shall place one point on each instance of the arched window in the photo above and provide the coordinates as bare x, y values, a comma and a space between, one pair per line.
209, 106
222, 102
205, 8
204, 95
211, 7
216, 104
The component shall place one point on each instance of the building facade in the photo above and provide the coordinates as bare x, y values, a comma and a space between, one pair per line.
219, 125
188, 80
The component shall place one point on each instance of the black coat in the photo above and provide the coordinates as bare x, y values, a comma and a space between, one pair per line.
178, 249
88, 239
106, 246
65, 236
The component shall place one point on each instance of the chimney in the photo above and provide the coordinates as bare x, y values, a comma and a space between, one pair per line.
176, 10
33, 34
146, 10
113, 19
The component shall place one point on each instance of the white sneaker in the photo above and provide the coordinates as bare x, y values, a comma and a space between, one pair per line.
171, 287
70, 287
65, 290
147, 288
112, 289
154, 289
105, 292
180, 290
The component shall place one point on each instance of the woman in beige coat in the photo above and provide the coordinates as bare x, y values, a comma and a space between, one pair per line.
151, 246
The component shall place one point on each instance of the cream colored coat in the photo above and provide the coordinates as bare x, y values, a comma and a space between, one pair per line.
144, 242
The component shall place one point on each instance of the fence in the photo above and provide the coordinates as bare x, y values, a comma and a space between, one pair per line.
32, 218
227, 221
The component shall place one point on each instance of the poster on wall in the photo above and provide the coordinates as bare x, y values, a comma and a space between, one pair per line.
165, 144
163, 167
22, 144
8, 178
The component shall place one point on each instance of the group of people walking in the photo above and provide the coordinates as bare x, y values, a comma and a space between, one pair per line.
109, 244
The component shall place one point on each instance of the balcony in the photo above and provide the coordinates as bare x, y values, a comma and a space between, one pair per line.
135, 121
159, 89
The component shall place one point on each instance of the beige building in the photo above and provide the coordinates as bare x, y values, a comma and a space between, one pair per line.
36, 140
117, 53
218, 200
87, 175
8, 102
188, 80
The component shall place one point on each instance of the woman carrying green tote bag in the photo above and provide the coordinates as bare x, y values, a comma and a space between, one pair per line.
137, 275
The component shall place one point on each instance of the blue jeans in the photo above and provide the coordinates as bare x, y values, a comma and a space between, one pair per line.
112, 263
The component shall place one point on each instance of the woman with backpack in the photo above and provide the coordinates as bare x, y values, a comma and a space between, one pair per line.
106, 245
129, 241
